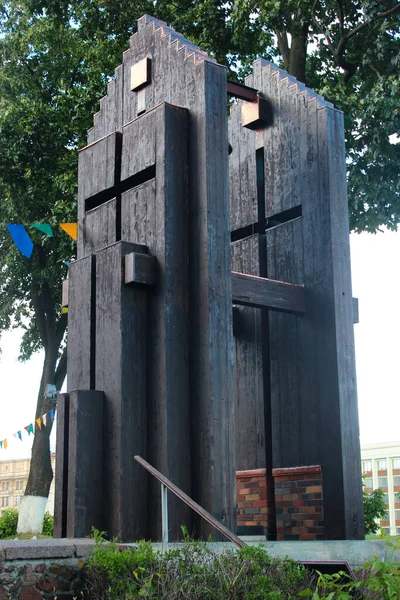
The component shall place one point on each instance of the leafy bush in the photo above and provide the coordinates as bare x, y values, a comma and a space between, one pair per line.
194, 572
48, 524
8, 523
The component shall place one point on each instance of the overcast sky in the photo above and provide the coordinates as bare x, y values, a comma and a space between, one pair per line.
376, 282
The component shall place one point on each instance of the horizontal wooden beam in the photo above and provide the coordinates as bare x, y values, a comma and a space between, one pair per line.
243, 92
260, 292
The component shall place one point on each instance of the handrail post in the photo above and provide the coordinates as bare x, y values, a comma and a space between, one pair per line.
164, 517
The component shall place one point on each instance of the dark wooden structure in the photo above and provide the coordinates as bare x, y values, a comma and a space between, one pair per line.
153, 355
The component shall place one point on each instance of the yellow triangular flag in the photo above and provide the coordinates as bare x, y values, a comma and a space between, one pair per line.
71, 229
5, 444
39, 422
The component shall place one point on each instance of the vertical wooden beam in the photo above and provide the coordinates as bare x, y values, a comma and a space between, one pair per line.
211, 357
121, 349
62, 470
81, 332
156, 214
85, 463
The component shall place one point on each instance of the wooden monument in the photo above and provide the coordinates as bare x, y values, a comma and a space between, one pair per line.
156, 365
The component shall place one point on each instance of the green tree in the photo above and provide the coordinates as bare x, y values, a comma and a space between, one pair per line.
374, 508
56, 58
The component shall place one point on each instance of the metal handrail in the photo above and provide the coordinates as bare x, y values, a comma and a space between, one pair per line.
166, 483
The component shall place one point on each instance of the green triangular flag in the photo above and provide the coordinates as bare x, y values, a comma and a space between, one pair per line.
44, 228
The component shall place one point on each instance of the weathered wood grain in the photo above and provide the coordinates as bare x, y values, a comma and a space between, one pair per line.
98, 173
81, 328
260, 292
85, 463
156, 214
61, 474
121, 347
100, 226
140, 269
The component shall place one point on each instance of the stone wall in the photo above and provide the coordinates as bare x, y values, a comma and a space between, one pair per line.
37, 569
299, 503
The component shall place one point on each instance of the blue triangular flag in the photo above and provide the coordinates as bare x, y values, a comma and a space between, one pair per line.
19, 434
21, 239
52, 412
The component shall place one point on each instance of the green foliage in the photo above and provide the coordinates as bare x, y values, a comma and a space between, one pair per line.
193, 572
374, 508
48, 524
8, 523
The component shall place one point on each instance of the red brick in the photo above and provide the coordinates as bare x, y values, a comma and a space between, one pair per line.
258, 503
244, 491
307, 536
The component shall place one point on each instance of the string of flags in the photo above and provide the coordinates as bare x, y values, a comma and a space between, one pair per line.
23, 242
42, 421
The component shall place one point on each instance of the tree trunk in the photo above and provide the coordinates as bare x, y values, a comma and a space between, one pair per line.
295, 56
34, 502
298, 53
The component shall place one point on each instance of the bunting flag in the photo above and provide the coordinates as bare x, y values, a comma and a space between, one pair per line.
71, 229
44, 228
21, 239
24, 243
29, 428
46, 419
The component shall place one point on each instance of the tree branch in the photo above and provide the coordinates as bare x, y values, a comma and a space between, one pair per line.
381, 15
283, 46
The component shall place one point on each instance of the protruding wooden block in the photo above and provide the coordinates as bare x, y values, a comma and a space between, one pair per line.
140, 74
257, 114
140, 268
64, 296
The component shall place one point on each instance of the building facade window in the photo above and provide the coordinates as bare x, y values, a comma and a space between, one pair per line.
368, 483
18, 500
367, 466
382, 483
5, 486
382, 465
4, 501
396, 463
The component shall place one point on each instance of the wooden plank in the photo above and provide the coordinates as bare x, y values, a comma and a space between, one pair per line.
356, 315
100, 228
61, 474
121, 349
248, 373
331, 127
64, 297
81, 334
211, 368
155, 214
98, 174
260, 292
85, 464
191, 503
140, 268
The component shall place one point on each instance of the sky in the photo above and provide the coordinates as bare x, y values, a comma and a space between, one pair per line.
376, 283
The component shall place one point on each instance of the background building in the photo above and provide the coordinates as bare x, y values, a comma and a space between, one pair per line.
381, 469
13, 480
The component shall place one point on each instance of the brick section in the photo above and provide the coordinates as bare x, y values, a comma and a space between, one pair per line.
253, 498
299, 503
